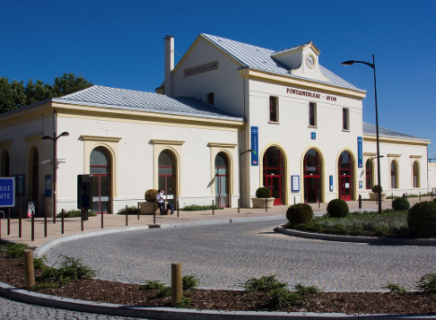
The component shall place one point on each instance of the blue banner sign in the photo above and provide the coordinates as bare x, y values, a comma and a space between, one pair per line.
255, 146
313, 135
359, 152
7, 192
360, 184
48, 186
331, 183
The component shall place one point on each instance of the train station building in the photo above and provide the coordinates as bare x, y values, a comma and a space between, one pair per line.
229, 118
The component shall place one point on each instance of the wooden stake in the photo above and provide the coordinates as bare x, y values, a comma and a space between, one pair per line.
176, 284
29, 273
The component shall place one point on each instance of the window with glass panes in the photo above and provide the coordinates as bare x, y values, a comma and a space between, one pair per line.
167, 175
273, 109
312, 114
416, 174
368, 171
345, 119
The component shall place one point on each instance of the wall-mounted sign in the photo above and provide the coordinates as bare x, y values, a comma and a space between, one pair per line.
331, 183
19, 184
7, 192
310, 94
360, 184
200, 69
359, 152
313, 135
295, 183
255, 146
48, 186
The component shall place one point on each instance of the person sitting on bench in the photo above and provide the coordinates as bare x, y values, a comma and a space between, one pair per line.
161, 202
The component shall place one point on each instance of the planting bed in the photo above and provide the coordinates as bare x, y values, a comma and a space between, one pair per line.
131, 294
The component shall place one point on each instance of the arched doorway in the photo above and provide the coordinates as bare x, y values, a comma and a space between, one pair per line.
5, 165
273, 174
394, 174
167, 175
416, 174
312, 176
35, 178
345, 170
222, 180
100, 168
369, 174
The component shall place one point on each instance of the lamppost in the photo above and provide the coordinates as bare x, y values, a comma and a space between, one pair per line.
55, 164
372, 65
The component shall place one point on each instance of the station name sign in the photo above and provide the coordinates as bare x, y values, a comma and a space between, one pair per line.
200, 69
310, 94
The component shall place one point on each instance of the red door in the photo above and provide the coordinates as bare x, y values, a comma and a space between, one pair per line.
274, 184
345, 169
345, 187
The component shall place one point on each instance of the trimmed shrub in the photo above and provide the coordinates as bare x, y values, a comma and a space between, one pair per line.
401, 204
337, 208
434, 199
75, 214
263, 193
376, 188
422, 219
299, 213
130, 210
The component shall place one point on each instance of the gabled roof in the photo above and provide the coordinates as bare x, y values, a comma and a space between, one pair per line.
259, 58
370, 130
99, 96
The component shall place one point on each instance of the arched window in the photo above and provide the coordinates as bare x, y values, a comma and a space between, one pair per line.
312, 176
345, 170
368, 174
167, 177
394, 175
5, 165
274, 175
222, 180
416, 174
100, 168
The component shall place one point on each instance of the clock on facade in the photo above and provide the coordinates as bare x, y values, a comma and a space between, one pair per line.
310, 61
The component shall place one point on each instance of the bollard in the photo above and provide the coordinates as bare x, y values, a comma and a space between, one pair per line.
266, 204
81, 219
360, 201
239, 205
101, 214
9, 221
138, 210
45, 223
319, 204
33, 226
420, 196
127, 215
392, 201
295, 200
213, 207
19, 225
29, 273
176, 284
62, 221
177, 208
154, 214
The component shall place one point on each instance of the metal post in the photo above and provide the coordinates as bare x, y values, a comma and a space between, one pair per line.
360, 201
127, 215
19, 225
392, 204
138, 210
239, 205
9, 221
29, 272
420, 196
266, 204
154, 214
33, 226
319, 204
101, 214
177, 208
62, 221
295, 200
176, 284
213, 207
378, 140
45, 223
81, 220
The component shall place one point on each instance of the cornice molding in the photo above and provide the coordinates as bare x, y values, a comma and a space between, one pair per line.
222, 145
33, 138
395, 140
100, 138
6, 143
394, 155
370, 154
167, 142
415, 156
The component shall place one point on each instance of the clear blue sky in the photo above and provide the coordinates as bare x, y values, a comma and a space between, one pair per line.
120, 44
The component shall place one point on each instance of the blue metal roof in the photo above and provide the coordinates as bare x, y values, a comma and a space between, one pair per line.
258, 58
370, 129
100, 96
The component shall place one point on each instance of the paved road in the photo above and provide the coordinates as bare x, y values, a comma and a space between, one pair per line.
20, 311
223, 256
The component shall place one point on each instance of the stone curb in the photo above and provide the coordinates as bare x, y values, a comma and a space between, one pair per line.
163, 313
359, 239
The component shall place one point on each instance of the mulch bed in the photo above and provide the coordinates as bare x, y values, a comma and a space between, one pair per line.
11, 272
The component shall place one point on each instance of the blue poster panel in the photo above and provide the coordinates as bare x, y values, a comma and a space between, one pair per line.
255, 146
7, 192
48, 186
331, 183
360, 152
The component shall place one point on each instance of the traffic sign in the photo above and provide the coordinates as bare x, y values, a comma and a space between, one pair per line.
7, 192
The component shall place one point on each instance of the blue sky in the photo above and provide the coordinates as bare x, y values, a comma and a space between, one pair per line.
120, 44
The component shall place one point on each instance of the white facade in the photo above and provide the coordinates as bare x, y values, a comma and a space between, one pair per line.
295, 104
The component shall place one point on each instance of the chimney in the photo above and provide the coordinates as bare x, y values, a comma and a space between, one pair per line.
169, 65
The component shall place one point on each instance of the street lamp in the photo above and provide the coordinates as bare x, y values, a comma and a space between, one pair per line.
55, 164
372, 65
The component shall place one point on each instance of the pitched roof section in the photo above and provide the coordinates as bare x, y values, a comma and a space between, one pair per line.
100, 96
254, 57
370, 129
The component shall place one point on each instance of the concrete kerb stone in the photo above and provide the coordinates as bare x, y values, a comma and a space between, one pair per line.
358, 239
164, 313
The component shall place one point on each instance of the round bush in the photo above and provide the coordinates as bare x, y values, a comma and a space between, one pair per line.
434, 199
337, 208
376, 187
299, 213
422, 219
401, 204
263, 193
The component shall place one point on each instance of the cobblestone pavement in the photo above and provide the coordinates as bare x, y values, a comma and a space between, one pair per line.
223, 256
20, 311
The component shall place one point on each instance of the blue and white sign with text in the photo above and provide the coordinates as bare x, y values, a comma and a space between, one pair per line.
7, 192
360, 152
255, 146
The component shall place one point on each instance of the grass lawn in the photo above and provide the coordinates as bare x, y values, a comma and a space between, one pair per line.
387, 224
